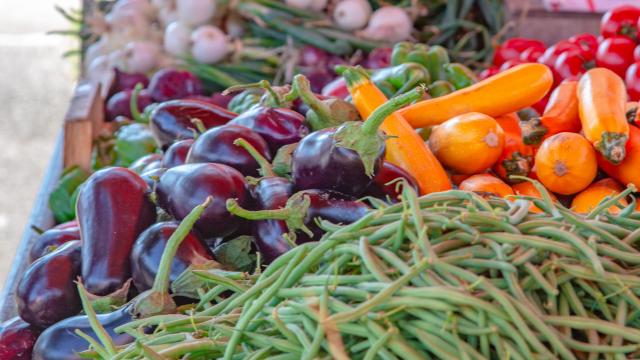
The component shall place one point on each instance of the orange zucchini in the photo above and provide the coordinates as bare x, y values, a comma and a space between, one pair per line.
508, 91
602, 100
405, 147
560, 115
566, 163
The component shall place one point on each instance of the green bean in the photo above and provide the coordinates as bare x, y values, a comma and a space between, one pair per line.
606, 327
621, 317
574, 241
379, 344
439, 348
539, 278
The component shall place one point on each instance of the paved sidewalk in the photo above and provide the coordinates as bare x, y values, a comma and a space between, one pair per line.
35, 87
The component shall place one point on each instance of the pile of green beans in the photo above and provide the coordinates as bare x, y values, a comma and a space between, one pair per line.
449, 275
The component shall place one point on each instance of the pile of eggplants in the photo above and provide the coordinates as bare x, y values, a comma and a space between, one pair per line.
266, 172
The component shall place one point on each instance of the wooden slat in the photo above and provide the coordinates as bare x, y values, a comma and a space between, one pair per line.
532, 20
83, 123
41, 217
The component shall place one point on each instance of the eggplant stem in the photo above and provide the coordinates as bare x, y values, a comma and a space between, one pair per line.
237, 210
266, 170
303, 88
96, 326
133, 104
161, 281
383, 111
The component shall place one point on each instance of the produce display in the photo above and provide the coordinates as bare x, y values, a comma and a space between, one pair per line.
406, 208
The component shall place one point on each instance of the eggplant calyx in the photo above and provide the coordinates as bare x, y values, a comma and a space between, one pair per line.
188, 283
107, 303
364, 138
293, 214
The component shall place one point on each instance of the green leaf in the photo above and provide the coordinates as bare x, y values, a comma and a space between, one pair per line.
236, 254
133, 142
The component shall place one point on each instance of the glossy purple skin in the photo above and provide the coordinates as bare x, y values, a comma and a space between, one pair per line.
216, 146
313, 57
183, 187
379, 58
332, 206
120, 104
318, 163
113, 209
151, 177
278, 126
176, 154
140, 165
47, 291
215, 99
127, 81
60, 342
271, 193
50, 240
147, 251
389, 172
319, 78
170, 84
171, 120
17, 338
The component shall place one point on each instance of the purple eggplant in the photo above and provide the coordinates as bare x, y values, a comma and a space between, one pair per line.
152, 176
278, 126
346, 158
50, 240
170, 84
149, 160
47, 291
148, 249
176, 154
113, 210
380, 187
216, 146
120, 104
60, 341
183, 187
296, 217
171, 120
17, 338
127, 81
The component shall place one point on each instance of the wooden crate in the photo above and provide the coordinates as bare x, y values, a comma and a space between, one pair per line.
83, 122
531, 19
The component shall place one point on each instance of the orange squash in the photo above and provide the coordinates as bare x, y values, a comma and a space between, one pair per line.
516, 157
560, 115
602, 98
628, 171
566, 163
590, 197
528, 189
486, 185
468, 144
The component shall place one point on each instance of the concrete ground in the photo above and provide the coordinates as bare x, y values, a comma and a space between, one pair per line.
35, 88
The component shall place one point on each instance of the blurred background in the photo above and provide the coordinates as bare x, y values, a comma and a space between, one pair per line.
35, 89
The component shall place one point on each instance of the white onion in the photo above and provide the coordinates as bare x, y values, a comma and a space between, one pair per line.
195, 12
98, 67
315, 5
140, 56
210, 44
177, 38
389, 23
352, 14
